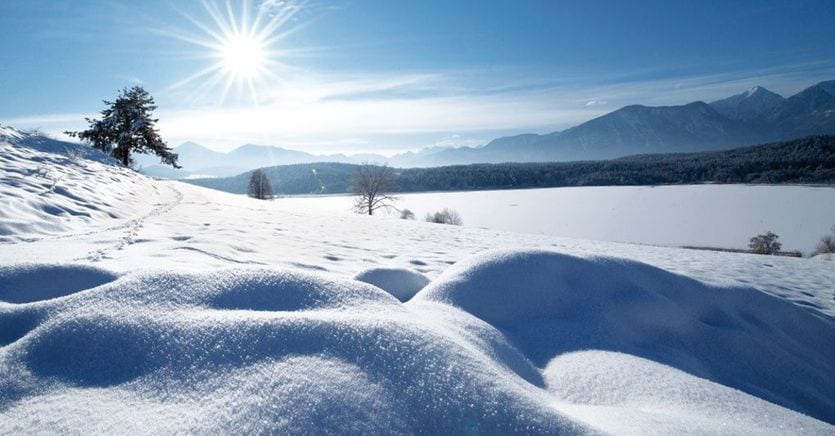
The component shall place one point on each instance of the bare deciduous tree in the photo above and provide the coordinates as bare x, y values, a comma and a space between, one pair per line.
372, 185
259, 186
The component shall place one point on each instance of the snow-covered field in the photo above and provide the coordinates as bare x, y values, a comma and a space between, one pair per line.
129, 305
721, 216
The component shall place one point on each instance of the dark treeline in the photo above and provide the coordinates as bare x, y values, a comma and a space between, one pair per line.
809, 160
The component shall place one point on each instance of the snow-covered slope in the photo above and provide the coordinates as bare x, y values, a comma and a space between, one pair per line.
49, 187
197, 311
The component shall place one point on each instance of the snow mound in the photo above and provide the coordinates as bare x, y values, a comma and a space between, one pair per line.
824, 257
624, 394
293, 290
29, 283
259, 350
264, 350
402, 283
549, 304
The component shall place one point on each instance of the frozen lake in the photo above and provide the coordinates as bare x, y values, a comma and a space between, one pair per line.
698, 215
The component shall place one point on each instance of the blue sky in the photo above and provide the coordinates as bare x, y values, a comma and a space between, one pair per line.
386, 76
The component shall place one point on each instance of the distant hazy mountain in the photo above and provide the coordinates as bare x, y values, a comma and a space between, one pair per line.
752, 117
755, 116
805, 160
642, 129
811, 111
199, 161
753, 104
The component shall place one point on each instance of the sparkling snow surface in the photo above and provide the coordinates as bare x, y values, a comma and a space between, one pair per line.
129, 305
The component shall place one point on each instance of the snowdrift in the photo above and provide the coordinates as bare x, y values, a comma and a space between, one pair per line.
50, 187
496, 345
549, 304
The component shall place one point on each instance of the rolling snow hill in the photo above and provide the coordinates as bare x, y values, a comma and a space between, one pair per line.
180, 309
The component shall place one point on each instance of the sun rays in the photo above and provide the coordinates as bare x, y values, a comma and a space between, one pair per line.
241, 46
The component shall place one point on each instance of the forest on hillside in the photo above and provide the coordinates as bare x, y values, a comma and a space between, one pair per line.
809, 160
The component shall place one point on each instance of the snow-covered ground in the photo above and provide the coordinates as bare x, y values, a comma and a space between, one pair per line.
166, 307
721, 216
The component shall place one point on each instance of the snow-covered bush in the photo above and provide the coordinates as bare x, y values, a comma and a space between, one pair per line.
407, 214
446, 216
826, 244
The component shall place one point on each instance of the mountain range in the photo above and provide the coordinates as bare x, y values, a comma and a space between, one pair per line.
809, 160
752, 117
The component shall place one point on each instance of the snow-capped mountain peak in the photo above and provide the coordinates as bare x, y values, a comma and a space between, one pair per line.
751, 104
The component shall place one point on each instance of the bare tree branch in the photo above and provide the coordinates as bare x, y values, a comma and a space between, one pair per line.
371, 185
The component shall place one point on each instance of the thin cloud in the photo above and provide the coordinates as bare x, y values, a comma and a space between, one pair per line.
411, 110
591, 103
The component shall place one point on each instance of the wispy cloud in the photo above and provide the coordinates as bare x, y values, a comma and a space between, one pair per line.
393, 111
130, 79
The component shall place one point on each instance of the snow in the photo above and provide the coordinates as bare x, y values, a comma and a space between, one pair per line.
9, 133
625, 394
550, 304
50, 187
402, 283
184, 310
719, 216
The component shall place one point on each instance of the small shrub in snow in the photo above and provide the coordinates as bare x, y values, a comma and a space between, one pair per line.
826, 244
765, 244
446, 216
407, 214
74, 154
259, 186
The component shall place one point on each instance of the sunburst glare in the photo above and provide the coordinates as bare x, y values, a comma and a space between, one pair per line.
243, 56
242, 47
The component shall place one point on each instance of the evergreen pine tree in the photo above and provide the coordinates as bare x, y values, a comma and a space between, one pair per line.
126, 127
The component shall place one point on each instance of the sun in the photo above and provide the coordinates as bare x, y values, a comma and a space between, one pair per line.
243, 56
242, 47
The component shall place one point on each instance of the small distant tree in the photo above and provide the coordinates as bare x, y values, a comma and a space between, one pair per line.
407, 214
259, 186
446, 216
126, 127
765, 244
372, 185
